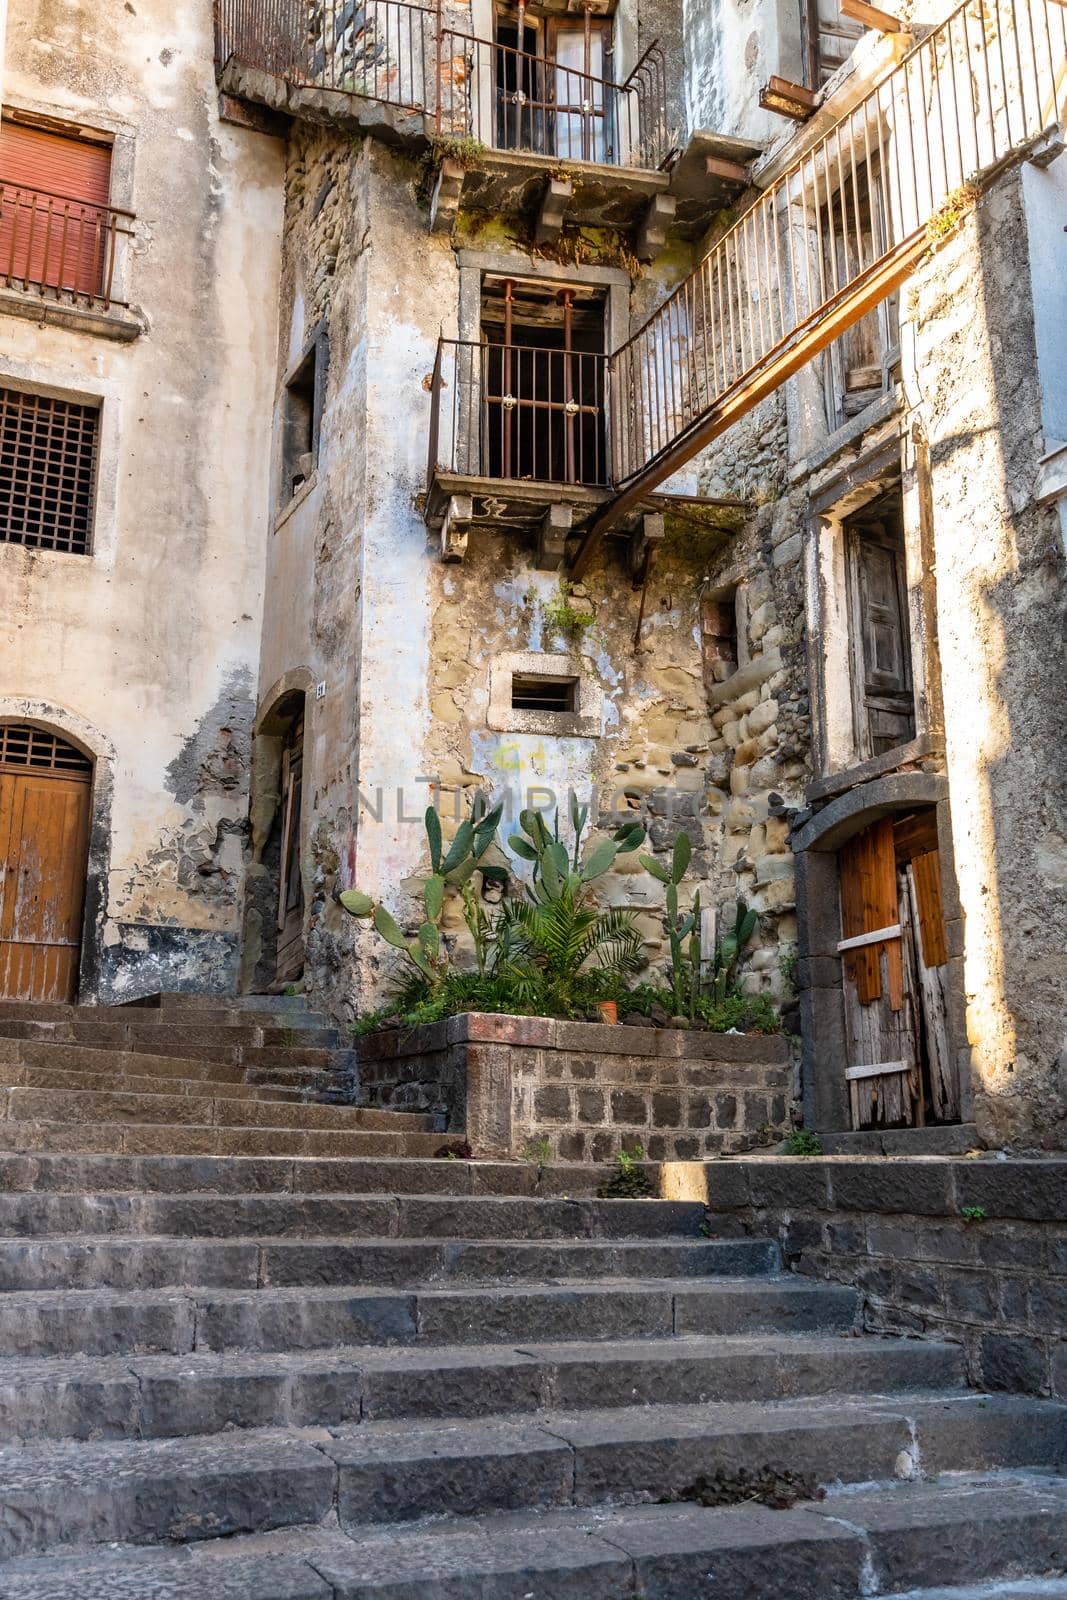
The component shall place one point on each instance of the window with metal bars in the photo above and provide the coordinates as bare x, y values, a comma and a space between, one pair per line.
23, 746
47, 471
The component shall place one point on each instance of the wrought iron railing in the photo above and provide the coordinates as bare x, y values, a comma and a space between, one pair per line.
66, 248
403, 55
510, 99
518, 412
839, 230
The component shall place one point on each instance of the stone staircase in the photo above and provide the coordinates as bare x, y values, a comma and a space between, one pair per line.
376, 1377
188, 1075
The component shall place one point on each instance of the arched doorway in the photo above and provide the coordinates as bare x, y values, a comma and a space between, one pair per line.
45, 801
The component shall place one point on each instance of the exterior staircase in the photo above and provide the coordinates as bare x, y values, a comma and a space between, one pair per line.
244, 1374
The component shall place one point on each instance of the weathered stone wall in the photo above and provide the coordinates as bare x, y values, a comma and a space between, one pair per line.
1002, 624
145, 650
974, 1251
580, 1091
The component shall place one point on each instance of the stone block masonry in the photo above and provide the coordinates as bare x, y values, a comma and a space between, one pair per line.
973, 1251
587, 1090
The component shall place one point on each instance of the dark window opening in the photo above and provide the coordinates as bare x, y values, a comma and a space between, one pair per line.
529, 693
543, 382
718, 636
47, 471
551, 93
301, 418
883, 696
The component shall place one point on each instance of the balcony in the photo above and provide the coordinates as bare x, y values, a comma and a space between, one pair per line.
60, 250
544, 121
521, 440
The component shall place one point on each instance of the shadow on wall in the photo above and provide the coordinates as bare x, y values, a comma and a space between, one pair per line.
1002, 614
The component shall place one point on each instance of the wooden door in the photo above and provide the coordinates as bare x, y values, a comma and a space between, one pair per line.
899, 1066
883, 696
290, 883
45, 789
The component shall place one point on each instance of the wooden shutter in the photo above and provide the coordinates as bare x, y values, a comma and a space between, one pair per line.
885, 703
54, 192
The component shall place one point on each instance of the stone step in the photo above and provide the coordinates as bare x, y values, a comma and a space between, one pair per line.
153, 1263
169, 1396
167, 1038
15, 1077
60, 1013
491, 1218
1002, 1525
177, 1002
175, 1174
377, 1474
166, 1138
91, 1105
82, 1058
337, 1057
95, 1322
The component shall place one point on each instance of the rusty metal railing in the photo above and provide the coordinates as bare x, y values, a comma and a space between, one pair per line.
382, 50
518, 412
838, 231
402, 54
510, 99
55, 245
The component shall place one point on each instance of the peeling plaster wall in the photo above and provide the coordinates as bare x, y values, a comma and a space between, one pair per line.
152, 640
731, 48
1002, 620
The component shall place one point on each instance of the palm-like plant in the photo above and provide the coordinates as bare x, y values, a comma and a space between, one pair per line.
557, 933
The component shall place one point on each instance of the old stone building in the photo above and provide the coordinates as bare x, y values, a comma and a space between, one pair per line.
648, 414
406, 402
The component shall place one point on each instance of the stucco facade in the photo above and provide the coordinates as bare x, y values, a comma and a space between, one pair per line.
144, 652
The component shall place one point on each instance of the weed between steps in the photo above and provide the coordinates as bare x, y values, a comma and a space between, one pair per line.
777, 1487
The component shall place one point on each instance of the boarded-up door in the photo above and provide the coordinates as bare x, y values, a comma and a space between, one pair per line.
899, 1065
45, 787
290, 881
54, 192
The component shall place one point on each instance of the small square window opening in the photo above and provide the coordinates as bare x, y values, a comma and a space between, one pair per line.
530, 693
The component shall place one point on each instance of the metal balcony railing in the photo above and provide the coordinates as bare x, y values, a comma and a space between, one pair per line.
509, 99
403, 55
837, 233
518, 412
68, 248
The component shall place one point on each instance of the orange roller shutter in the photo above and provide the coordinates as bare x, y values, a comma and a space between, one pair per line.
53, 208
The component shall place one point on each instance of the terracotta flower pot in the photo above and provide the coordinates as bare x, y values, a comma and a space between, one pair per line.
609, 1010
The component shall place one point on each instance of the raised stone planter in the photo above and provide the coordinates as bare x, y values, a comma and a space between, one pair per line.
588, 1088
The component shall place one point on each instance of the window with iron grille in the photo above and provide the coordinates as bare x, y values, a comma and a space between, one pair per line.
47, 471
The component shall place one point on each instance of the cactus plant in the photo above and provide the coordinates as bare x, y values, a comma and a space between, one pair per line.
451, 868
685, 972
729, 949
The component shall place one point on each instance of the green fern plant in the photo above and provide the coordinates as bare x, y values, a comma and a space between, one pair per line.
557, 931
454, 867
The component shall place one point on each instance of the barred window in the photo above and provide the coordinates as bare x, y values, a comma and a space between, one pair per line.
24, 746
47, 471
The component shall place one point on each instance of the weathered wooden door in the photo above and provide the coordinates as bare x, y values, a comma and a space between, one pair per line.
45, 788
899, 1064
290, 883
